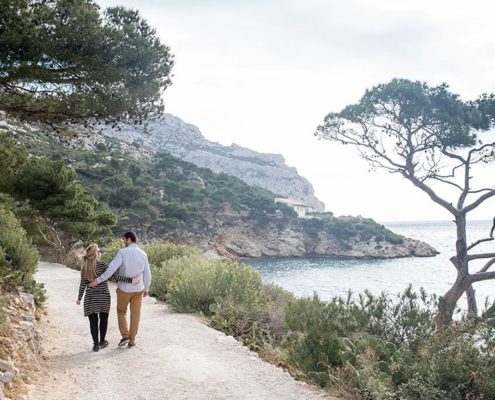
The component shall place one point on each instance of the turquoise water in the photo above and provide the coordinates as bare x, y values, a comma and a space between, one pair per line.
329, 277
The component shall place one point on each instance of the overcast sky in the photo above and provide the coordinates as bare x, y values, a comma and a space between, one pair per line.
263, 74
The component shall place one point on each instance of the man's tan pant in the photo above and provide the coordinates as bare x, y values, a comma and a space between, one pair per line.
123, 300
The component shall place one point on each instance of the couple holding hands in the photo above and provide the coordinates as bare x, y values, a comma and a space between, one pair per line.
131, 271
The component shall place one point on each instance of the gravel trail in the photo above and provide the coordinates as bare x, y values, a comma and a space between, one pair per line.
177, 356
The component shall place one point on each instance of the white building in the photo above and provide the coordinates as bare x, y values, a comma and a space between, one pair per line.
298, 206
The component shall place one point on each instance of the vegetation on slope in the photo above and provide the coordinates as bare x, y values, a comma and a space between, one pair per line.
41, 207
364, 347
160, 194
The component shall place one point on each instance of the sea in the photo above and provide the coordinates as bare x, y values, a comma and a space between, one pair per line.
329, 277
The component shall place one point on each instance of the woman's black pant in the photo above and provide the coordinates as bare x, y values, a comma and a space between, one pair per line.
93, 326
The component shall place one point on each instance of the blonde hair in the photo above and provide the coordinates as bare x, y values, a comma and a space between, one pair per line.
88, 268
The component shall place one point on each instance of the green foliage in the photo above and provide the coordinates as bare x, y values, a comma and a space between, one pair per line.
324, 329
105, 217
260, 324
161, 252
232, 294
384, 348
461, 360
166, 194
451, 365
350, 228
438, 118
12, 158
42, 180
158, 252
169, 270
196, 288
50, 188
18, 256
64, 60
52, 207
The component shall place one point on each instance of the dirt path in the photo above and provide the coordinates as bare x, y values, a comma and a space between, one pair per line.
177, 356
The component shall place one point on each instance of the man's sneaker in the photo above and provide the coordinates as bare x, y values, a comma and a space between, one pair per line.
96, 347
131, 344
124, 341
103, 344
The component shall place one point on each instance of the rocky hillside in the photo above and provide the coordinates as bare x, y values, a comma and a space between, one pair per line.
246, 239
163, 197
185, 141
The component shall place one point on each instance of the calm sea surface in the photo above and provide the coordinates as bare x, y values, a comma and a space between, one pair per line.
329, 277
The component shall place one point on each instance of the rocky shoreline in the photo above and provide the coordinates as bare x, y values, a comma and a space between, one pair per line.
247, 241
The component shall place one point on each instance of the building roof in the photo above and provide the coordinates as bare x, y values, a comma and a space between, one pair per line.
290, 202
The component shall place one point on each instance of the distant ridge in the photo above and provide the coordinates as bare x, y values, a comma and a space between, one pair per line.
184, 140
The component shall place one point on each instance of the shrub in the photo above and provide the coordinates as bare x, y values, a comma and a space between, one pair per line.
202, 283
279, 300
167, 271
259, 324
248, 322
333, 334
157, 252
18, 256
378, 347
459, 362
232, 294
160, 252
369, 347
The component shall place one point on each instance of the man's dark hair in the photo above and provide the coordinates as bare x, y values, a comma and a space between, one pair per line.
130, 235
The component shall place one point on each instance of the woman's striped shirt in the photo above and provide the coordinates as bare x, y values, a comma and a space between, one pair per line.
97, 299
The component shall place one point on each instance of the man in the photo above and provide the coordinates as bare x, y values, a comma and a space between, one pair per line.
133, 263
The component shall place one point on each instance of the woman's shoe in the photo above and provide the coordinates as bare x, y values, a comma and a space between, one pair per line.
96, 347
103, 344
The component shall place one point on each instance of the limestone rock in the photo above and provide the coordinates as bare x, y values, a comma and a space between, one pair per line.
6, 366
6, 377
183, 140
20, 347
247, 240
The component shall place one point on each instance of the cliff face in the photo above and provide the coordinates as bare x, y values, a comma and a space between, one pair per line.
246, 239
183, 140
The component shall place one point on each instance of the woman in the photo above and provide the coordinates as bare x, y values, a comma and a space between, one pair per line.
97, 299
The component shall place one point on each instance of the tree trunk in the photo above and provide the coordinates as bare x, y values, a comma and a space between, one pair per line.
446, 306
448, 301
57, 245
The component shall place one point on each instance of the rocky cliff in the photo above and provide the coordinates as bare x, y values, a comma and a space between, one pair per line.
20, 349
183, 140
